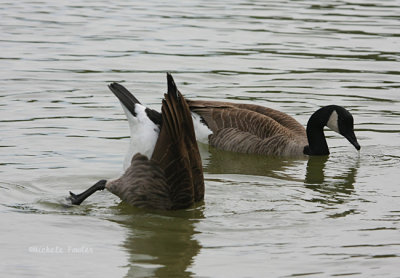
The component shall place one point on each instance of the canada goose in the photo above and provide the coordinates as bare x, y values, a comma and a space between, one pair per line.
255, 129
250, 128
169, 175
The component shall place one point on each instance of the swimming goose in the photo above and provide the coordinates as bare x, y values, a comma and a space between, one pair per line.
255, 129
168, 174
250, 128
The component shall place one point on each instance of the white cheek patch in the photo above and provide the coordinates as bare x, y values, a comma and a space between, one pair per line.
201, 130
333, 122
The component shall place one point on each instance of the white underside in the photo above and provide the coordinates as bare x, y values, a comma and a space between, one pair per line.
201, 130
333, 122
144, 134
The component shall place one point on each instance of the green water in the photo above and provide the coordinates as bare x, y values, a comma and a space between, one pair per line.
61, 129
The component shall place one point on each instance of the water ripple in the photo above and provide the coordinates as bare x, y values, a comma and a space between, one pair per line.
61, 130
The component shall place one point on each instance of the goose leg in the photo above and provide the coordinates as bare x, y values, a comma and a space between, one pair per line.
77, 199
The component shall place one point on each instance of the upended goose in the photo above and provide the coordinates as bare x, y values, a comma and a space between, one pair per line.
166, 171
250, 128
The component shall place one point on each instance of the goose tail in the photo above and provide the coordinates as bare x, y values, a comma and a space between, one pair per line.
124, 96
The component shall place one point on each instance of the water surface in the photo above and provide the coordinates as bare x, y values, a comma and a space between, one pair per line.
61, 130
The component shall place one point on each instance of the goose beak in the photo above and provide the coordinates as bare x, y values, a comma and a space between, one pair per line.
352, 139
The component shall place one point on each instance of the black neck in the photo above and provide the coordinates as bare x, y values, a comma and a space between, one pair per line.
316, 142
315, 132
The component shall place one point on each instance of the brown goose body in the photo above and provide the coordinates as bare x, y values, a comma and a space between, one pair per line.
249, 128
142, 185
172, 178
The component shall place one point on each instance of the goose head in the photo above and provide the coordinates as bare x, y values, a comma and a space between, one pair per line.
335, 117
341, 121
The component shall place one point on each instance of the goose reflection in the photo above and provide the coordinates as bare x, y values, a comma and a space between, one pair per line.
315, 170
160, 244
335, 188
216, 161
333, 183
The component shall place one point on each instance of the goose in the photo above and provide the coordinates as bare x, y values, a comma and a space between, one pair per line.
250, 128
168, 173
255, 129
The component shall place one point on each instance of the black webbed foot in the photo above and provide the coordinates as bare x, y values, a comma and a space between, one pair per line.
74, 199
77, 199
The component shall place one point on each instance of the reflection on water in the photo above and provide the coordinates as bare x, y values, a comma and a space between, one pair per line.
332, 189
315, 169
160, 244
224, 162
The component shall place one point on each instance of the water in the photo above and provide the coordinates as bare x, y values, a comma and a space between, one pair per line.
61, 130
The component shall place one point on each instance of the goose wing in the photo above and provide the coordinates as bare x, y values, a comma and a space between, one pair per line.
280, 117
249, 128
191, 144
218, 114
176, 150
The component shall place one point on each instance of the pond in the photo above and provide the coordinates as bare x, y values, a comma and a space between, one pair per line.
62, 129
